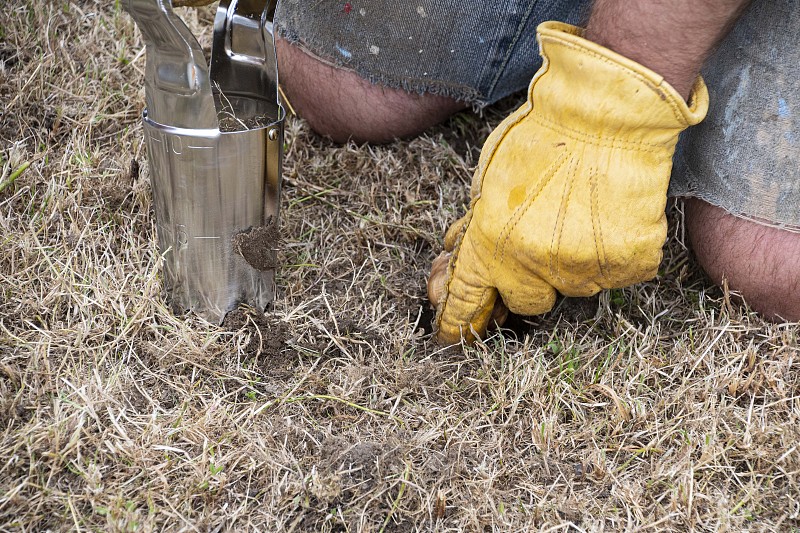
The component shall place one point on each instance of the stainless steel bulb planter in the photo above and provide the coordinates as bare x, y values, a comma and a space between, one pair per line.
214, 141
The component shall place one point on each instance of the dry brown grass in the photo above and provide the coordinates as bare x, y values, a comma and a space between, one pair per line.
661, 407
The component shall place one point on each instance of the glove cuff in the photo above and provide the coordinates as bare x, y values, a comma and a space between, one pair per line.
610, 95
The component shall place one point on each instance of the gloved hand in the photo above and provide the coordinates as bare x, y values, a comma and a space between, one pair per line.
570, 190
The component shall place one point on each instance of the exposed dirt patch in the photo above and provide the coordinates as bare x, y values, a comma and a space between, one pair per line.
266, 334
259, 245
357, 464
9, 55
348, 470
114, 193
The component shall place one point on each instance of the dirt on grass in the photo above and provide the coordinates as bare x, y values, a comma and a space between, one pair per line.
666, 406
266, 333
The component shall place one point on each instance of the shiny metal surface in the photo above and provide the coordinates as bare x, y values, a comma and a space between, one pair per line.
177, 84
242, 54
209, 185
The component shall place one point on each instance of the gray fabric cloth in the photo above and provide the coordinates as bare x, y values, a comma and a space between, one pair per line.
744, 157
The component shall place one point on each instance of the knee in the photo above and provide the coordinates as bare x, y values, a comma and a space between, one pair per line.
341, 105
759, 262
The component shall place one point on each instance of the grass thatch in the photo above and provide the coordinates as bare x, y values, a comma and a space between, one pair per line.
665, 406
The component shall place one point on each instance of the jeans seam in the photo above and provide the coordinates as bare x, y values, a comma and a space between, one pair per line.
523, 24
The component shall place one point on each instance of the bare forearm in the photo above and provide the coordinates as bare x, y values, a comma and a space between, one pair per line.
670, 37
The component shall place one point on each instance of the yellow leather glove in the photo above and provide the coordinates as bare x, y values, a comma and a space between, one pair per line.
570, 190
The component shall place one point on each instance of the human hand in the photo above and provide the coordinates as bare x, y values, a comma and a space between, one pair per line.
570, 190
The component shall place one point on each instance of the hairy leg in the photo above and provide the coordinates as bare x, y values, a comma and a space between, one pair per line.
341, 105
761, 263
673, 38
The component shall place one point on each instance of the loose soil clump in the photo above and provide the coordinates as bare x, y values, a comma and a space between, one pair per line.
266, 333
259, 245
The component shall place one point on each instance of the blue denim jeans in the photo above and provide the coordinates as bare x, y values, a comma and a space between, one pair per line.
476, 52
745, 157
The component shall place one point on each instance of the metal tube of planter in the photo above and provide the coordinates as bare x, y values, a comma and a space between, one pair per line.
215, 144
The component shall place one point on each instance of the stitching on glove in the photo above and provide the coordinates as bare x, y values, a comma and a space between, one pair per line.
480, 175
668, 98
597, 229
481, 305
508, 229
451, 267
480, 172
600, 140
566, 196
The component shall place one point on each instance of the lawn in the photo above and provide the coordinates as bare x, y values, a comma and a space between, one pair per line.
667, 406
